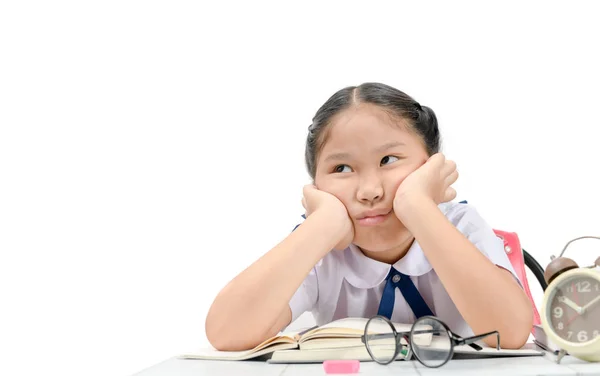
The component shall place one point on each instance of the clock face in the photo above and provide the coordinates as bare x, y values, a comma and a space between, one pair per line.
575, 309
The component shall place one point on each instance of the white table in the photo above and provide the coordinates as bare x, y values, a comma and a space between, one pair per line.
525, 366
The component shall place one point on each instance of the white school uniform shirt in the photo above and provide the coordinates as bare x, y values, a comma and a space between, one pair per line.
349, 284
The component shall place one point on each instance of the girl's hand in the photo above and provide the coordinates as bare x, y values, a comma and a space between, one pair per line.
317, 202
432, 181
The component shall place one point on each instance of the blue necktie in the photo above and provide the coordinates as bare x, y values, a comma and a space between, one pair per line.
408, 290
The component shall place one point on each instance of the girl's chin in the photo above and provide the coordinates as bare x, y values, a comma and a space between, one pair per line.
378, 246
381, 244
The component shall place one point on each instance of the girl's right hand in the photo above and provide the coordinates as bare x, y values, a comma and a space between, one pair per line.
316, 201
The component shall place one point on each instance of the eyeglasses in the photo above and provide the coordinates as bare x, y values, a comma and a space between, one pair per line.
430, 340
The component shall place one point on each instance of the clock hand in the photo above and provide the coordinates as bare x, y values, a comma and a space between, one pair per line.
591, 303
570, 303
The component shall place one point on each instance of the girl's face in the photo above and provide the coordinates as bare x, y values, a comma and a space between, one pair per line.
366, 155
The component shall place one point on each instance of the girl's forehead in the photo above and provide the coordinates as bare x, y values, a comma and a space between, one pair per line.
368, 124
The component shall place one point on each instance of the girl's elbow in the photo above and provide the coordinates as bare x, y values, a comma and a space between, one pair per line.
514, 339
214, 334
224, 337
216, 331
517, 332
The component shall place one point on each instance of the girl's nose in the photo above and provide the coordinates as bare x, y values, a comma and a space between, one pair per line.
370, 191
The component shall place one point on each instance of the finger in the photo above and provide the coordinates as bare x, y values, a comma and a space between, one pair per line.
450, 194
306, 191
437, 159
452, 178
308, 188
448, 168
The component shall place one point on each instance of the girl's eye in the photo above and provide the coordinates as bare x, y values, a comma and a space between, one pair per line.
388, 159
340, 168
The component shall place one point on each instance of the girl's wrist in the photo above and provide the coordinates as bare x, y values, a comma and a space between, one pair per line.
316, 236
330, 223
409, 207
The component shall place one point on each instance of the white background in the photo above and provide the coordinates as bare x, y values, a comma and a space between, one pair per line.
149, 151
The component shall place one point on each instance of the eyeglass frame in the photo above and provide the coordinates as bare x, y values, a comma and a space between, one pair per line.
455, 340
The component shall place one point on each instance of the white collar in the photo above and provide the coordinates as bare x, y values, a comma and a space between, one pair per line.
364, 272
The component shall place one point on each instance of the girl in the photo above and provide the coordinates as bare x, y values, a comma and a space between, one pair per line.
379, 212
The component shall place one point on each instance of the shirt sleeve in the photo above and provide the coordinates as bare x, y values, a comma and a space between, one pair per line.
481, 234
305, 297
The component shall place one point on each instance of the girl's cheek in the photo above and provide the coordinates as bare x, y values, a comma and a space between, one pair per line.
395, 186
343, 197
338, 189
399, 177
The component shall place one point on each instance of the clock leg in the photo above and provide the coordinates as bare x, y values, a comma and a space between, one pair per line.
561, 354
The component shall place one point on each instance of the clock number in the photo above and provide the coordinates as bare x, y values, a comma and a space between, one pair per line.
569, 335
560, 326
597, 286
596, 333
584, 286
569, 288
558, 312
582, 336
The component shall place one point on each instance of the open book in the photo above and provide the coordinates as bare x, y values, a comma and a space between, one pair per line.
340, 339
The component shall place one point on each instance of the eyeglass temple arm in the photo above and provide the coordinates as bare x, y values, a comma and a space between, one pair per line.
471, 340
403, 335
385, 335
378, 336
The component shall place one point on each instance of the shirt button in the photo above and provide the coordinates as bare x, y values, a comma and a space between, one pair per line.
395, 278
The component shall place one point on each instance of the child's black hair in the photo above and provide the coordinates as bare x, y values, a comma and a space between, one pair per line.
398, 104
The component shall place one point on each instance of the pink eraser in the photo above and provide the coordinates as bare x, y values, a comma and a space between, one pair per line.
341, 366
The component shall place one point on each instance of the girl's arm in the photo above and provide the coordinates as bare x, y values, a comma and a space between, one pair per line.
487, 296
254, 305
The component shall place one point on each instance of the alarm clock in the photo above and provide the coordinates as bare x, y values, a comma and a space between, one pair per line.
570, 311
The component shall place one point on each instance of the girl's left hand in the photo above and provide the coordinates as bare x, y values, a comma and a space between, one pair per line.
432, 181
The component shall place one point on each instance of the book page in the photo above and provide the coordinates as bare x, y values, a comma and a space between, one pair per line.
527, 350
351, 327
212, 354
320, 355
357, 323
360, 353
280, 342
331, 343
436, 343
360, 322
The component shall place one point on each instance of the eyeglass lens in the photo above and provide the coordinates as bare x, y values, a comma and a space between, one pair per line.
381, 341
431, 342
